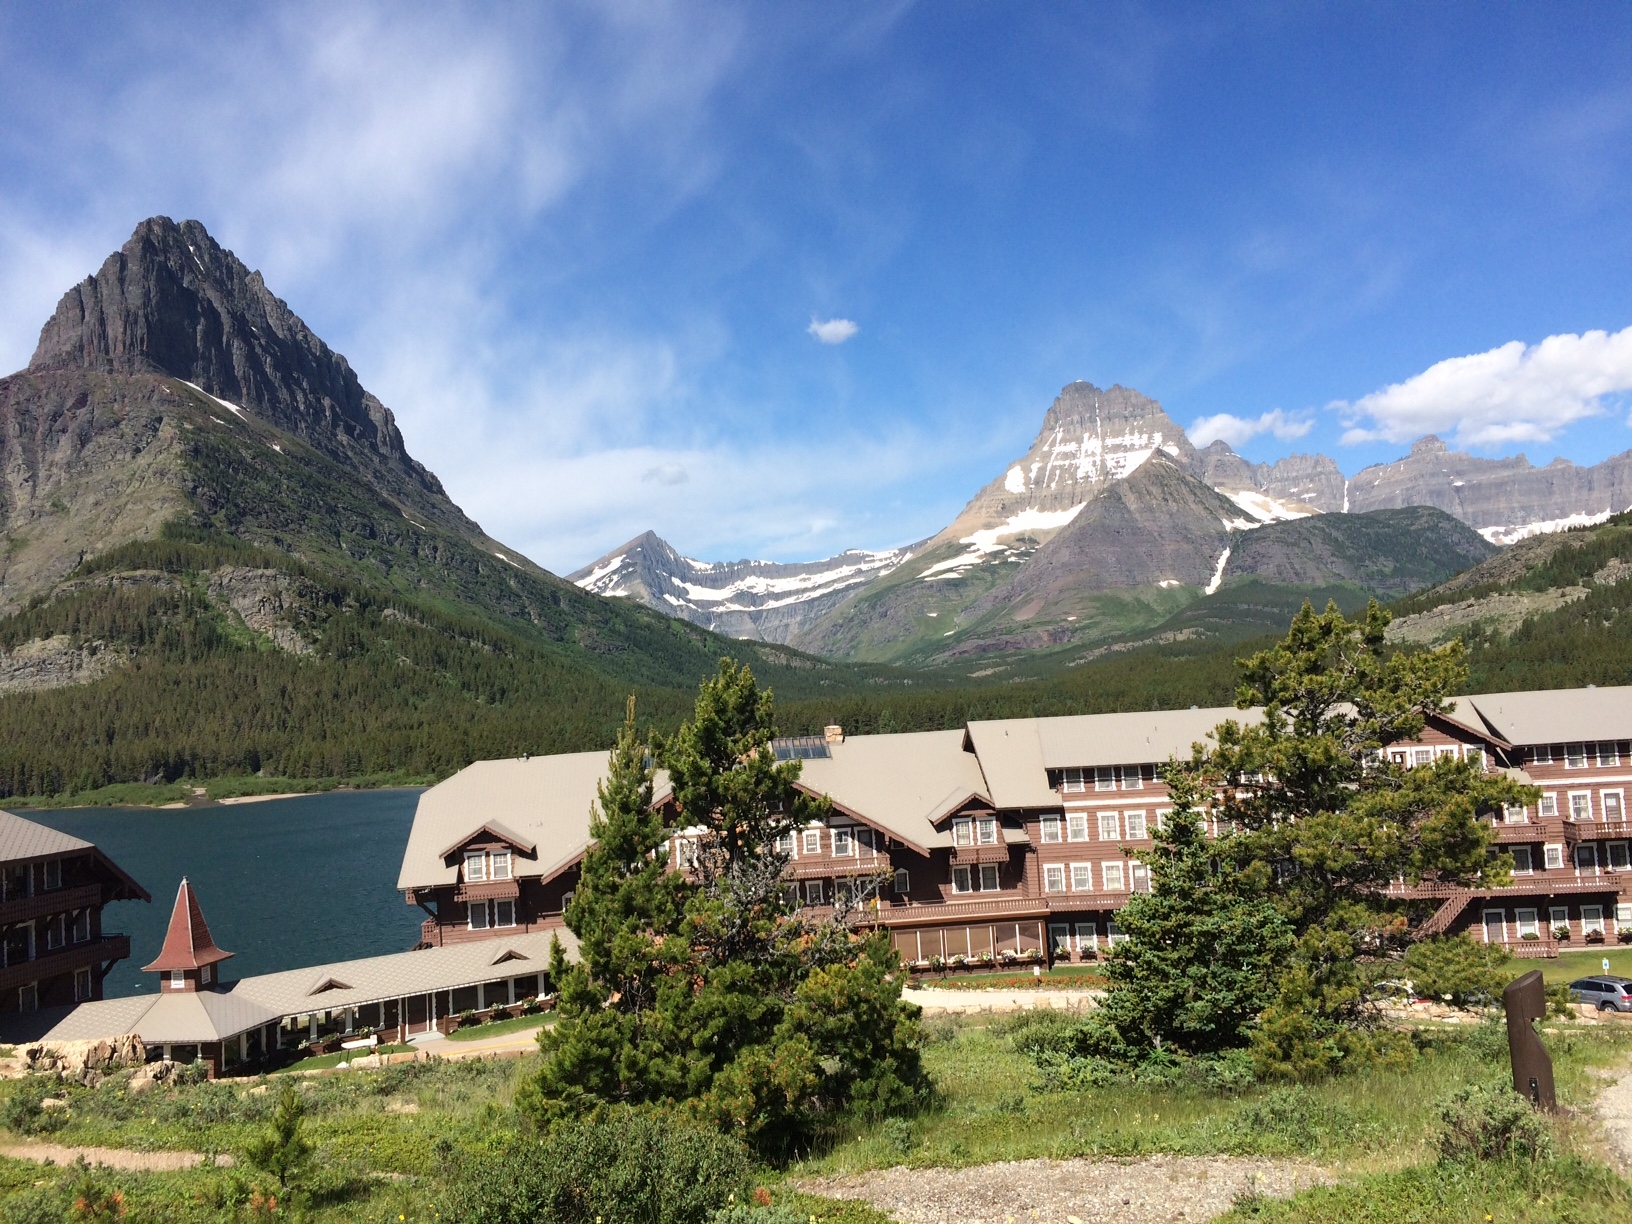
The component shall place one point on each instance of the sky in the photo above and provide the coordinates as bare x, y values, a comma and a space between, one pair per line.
780, 279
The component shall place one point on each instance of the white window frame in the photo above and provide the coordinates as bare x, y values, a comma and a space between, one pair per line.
1082, 877
986, 831
472, 910
1619, 850
844, 843
1527, 926
816, 892
1053, 877
1087, 931
1484, 922
475, 867
1552, 856
1541, 754
786, 844
1557, 916
56, 932
178, 979
685, 852
81, 918
1076, 826
1161, 817
903, 881
1109, 820
1623, 913
1609, 753
498, 865
1575, 756
83, 987
1071, 782
1586, 850
1138, 876
1105, 778
812, 839
1133, 777
1580, 805
962, 881
501, 904
1547, 807
1051, 833
989, 881
205, 973
963, 831
1619, 803
1059, 938
1592, 919
1515, 813
1114, 877
1136, 825
1113, 933
52, 873
1474, 753
1521, 865
1421, 756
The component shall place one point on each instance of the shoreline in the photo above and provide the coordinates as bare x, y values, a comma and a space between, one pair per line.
199, 800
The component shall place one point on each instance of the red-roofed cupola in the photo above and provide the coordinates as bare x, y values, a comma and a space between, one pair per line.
189, 953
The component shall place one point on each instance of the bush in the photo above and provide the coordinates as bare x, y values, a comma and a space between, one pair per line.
24, 1113
1458, 970
1491, 1122
635, 1166
36, 1205
739, 1214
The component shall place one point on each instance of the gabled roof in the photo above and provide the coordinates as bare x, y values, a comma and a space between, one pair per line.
901, 784
499, 833
188, 943
1557, 716
22, 839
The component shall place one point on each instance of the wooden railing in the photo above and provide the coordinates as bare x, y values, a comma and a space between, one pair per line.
56, 901
65, 960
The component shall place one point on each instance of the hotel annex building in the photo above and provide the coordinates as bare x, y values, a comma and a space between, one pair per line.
1017, 841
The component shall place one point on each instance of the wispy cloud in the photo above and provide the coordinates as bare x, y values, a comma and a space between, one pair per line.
666, 474
1515, 393
832, 331
1239, 430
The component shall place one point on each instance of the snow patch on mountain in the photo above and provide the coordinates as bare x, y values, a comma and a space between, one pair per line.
1263, 507
1512, 535
1218, 574
985, 542
595, 580
1093, 457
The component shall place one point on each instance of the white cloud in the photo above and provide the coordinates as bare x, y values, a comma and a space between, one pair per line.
1238, 430
666, 474
1515, 393
832, 331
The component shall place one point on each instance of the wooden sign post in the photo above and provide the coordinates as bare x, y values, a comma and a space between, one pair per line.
1525, 1002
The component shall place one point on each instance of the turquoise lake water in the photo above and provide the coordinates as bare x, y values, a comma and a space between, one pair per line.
283, 884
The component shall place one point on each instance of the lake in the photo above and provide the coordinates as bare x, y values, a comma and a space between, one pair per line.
283, 883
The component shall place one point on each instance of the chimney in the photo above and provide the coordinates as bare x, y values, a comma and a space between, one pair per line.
833, 734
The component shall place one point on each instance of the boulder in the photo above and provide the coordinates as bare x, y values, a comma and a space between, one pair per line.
84, 1062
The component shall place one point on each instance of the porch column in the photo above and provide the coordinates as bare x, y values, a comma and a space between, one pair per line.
481, 996
243, 1046
313, 1019
510, 991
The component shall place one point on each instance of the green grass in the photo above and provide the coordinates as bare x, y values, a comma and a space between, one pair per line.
1078, 976
1572, 965
321, 1062
497, 1028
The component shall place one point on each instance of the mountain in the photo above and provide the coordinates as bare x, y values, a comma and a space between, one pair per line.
210, 526
1504, 499
760, 600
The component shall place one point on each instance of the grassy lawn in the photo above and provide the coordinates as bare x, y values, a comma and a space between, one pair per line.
1572, 965
497, 1028
321, 1062
1081, 976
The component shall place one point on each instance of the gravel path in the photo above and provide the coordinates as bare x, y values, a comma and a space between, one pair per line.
1614, 1110
113, 1158
973, 1001
1156, 1188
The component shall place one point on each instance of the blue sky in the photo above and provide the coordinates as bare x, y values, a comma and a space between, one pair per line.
579, 249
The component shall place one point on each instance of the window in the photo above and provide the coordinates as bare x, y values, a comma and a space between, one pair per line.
1104, 778
1580, 805
1161, 818
498, 866
1495, 926
1614, 809
1107, 826
1071, 781
903, 882
82, 925
1082, 877
1422, 756
784, 844
82, 985
1547, 806
56, 931
477, 911
813, 841
1112, 874
475, 868
204, 974
1059, 938
1113, 934
19, 881
1623, 913
685, 852
1475, 755
1051, 829
566, 900
28, 997
1087, 935
1136, 824
1575, 756
1513, 813
178, 979
504, 913
961, 881
1528, 926
1521, 860
1138, 877
815, 892
988, 877
963, 833
1076, 826
1618, 857
1558, 916
1609, 753
1132, 779
1586, 857
53, 873
1541, 754
986, 827
1592, 919
1553, 856
1054, 877
843, 843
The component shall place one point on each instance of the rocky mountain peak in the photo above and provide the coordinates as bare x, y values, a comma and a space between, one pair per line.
173, 301
1430, 445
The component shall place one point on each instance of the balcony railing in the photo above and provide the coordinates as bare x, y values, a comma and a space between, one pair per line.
65, 960
56, 901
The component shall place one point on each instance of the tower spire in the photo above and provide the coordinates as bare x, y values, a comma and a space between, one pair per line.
189, 951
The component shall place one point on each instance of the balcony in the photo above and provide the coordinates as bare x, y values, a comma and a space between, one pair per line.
1600, 830
65, 960
964, 856
1007, 906
488, 890
56, 901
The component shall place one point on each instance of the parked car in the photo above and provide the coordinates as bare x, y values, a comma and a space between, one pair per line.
1605, 993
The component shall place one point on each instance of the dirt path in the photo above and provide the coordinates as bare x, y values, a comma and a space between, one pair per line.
983, 1000
1614, 1110
113, 1158
1156, 1188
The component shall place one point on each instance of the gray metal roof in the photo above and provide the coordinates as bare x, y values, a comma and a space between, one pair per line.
1557, 716
903, 784
24, 839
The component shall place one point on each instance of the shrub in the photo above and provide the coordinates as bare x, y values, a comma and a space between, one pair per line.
36, 1205
635, 1166
1459, 970
898, 1134
1491, 1122
739, 1214
24, 1113
283, 1149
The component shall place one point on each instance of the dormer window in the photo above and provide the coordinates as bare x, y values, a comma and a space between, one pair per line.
963, 833
499, 865
986, 826
475, 868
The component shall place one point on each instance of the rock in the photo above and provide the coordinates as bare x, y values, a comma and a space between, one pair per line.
84, 1062
54, 662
